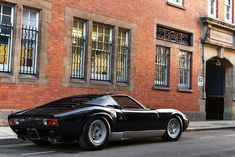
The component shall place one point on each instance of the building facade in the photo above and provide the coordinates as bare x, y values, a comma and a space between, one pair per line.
218, 60
155, 51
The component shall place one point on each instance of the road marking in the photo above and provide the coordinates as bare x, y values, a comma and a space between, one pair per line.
207, 137
231, 135
37, 153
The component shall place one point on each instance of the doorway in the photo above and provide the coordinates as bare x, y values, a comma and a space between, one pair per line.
215, 89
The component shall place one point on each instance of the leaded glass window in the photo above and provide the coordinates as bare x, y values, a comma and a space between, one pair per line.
162, 67
228, 10
78, 48
185, 59
29, 42
212, 8
101, 52
6, 35
122, 55
177, 2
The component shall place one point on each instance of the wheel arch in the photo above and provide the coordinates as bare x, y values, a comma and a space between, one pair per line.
108, 118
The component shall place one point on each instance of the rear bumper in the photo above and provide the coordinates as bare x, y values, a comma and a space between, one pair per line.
49, 134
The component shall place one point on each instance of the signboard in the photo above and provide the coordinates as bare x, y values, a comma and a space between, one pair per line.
221, 37
200, 81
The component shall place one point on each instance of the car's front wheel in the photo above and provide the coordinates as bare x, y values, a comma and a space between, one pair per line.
173, 130
95, 134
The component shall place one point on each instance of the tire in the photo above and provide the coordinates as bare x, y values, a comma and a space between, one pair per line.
95, 134
173, 129
41, 142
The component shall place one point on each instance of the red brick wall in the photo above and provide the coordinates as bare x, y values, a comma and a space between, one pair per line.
142, 13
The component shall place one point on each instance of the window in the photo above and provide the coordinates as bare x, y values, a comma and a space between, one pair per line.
122, 56
6, 35
162, 67
101, 52
177, 2
212, 8
29, 42
78, 48
185, 59
126, 102
228, 11
174, 36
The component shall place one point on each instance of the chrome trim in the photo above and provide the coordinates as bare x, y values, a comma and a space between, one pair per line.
117, 136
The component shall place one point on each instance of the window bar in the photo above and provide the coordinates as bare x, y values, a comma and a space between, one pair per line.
32, 51
36, 50
4, 56
122, 63
73, 49
76, 57
82, 58
110, 60
79, 57
103, 57
76, 68
5, 51
164, 67
24, 46
28, 40
10, 28
79, 52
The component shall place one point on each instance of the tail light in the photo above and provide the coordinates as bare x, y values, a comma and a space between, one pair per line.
50, 122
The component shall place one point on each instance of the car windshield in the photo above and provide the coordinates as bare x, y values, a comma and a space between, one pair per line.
92, 100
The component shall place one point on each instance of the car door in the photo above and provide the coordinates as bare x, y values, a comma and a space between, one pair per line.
135, 117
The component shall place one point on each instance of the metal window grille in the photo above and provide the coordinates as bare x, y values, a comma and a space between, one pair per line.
29, 42
174, 36
122, 56
162, 67
6, 35
78, 49
101, 53
185, 70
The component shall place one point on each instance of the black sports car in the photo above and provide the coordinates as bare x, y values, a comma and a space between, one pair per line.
94, 120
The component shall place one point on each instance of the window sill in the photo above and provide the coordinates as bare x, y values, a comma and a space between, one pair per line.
97, 82
122, 84
161, 88
176, 5
25, 76
185, 90
74, 80
5, 74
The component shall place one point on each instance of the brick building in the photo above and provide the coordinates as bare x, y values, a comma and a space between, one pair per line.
151, 50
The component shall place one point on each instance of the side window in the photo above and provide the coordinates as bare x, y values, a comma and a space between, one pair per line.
126, 102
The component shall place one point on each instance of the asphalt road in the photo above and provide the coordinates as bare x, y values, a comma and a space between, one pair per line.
215, 143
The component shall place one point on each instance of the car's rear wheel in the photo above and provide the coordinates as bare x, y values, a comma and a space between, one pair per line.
95, 134
173, 130
41, 142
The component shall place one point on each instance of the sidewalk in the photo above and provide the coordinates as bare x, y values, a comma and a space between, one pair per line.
210, 125
8, 136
